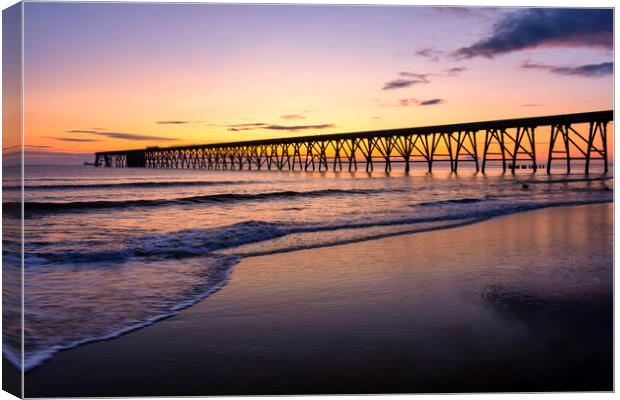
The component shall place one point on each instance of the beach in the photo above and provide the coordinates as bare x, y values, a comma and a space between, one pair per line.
520, 302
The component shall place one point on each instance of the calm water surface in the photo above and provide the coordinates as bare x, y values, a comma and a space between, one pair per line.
112, 250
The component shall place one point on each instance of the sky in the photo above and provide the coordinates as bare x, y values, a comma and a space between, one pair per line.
108, 76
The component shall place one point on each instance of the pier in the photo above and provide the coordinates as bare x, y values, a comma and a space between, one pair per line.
513, 142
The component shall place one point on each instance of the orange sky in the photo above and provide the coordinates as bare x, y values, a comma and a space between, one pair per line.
101, 76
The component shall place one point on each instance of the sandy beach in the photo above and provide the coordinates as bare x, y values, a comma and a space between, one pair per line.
516, 303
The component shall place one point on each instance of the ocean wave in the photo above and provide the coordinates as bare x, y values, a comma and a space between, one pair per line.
566, 180
125, 185
450, 201
166, 271
41, 349
32, 207
201, 242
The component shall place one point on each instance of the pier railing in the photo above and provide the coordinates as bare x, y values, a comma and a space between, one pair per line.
568, 137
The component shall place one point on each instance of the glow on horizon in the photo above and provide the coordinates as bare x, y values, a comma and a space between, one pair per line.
101, 76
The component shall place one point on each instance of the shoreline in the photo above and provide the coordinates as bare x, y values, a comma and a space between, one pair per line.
43, 373
190, 303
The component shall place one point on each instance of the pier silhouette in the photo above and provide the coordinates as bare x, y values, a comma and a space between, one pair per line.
570, 137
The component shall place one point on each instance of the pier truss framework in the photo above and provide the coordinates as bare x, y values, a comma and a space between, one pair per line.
567, 138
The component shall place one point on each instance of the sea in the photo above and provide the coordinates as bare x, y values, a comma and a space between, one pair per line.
111, 250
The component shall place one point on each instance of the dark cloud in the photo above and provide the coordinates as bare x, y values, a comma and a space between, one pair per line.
292, 116
431, 102
545, 27
254, 124
72, 139
297, 127
246, 127
430, 53
591, 70
275, 127
123, 135
26, 145
175, 122
407, 79
403, 83
531, 105
587, 70
416, 102
54, 153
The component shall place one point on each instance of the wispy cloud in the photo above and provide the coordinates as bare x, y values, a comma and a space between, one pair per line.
431, 102
422, 77
72, 139
401, 83
408, 79
176, 122
466, 12
246, 127
25, 146
298, 127
292, 116
416, 102
545, 27
275, 127
587, 70
123, 135
455, 71
430, 53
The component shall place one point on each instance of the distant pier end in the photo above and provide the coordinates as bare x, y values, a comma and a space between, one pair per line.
570, 137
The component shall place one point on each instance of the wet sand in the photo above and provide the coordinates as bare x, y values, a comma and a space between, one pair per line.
516, 303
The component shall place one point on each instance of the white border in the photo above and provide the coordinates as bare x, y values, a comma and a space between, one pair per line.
509, 3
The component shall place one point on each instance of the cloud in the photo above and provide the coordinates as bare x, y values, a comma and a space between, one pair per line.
430, 53
275, 127
123, 135
246, 127
455, 71
545, 27
422, 77
587, 70
72, 139
403, 83
175, 122
297, 127
292, 116
19, 146
416, 102
527, 64
461, 12
531, 105
591, 70
431, 102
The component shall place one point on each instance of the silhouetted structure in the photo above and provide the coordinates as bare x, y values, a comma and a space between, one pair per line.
510, 141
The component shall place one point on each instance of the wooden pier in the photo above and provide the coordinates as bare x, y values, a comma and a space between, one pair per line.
512, 142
